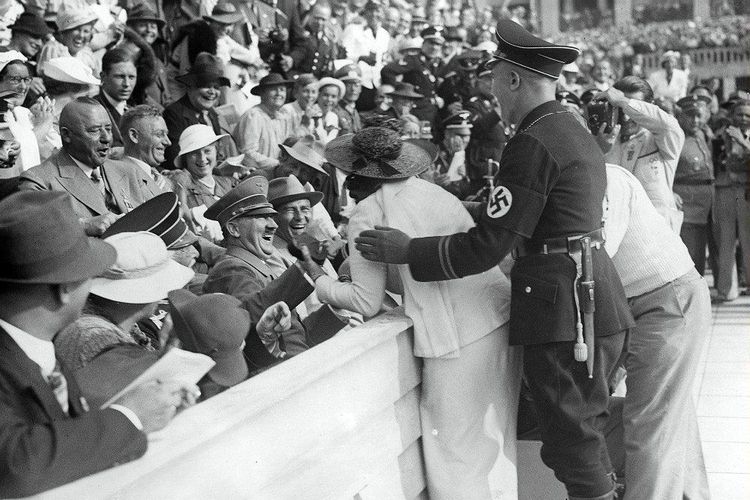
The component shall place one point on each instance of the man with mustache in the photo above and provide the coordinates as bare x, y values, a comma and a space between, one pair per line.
264, 126
101, 190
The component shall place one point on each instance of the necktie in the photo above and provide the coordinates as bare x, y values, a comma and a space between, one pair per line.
59, 386
101, 182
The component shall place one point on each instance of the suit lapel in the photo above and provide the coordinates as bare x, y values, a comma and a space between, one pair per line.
79, 185
28, 377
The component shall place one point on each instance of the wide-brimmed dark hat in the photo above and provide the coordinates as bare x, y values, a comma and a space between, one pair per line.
225, 13
42, 241
286, 189
248, 198
405, 90
270, 80
378, 153
159, 215
206, 69
216, 325
143, 12
31, 24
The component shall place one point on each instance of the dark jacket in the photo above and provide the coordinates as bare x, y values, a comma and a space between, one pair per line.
41, 446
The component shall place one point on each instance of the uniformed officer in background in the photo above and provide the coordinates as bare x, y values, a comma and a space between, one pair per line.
316, 50
421, 68
547, 205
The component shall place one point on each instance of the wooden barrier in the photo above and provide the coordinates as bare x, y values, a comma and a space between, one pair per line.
340, 421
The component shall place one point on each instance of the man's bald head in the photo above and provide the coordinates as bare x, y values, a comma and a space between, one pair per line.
86, 131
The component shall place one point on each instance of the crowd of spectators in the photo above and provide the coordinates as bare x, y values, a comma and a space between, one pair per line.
225, 145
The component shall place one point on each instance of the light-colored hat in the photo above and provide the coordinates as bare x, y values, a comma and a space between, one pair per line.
571, 68
286, 189
195, 137
72, 18
669, 55
10, 56
410, 44
327, 80
69, 69
486, 46
143, 273
306, 155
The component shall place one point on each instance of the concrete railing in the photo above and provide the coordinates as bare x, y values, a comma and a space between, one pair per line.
722, 62
339, 421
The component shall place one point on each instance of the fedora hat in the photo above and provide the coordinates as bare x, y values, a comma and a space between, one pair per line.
405, 90
31, 24
286, 189
70, 70
216, 325
193, 138
143, 12
377, 153
143, 273
305, 154
225, 13
327, 80
159, 215
43, 241
68, 19
206, 69
248, 198
270, 80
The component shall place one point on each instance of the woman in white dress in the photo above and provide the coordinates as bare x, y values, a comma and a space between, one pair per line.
470, 376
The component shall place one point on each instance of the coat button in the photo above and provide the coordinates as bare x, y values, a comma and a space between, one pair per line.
527, 289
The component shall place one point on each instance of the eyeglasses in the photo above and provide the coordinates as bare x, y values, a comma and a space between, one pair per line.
16, 80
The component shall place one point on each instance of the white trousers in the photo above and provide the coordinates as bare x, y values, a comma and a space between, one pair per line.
468, 413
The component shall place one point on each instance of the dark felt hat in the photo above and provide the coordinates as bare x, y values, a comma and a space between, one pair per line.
42, 241
406, 90
216, 325
207, 68
286, 189
225, 13
517, 46
270, 80
377, 153
248, 198
31, 24
468, 60
159, 215
143, 12
693, 102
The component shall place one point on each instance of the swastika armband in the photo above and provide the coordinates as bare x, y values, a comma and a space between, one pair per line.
514, 208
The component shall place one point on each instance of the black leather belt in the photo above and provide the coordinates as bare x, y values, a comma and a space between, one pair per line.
694, 182
557, 245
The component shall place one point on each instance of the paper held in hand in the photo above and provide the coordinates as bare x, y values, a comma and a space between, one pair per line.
175, 365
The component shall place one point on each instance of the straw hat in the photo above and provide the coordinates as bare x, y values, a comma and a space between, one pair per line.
69, 69
327, 80
73, 18
193, 138
43, 241
143, 273
377, 153
216, 325
286, 189
306, 155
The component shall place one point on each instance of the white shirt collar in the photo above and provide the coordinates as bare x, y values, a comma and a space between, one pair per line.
86, 169
118, 105
144, 166
41, 352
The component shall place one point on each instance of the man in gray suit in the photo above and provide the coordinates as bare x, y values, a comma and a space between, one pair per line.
101, 190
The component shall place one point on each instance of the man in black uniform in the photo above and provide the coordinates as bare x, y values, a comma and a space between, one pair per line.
316, 50
547, 203
421, 69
